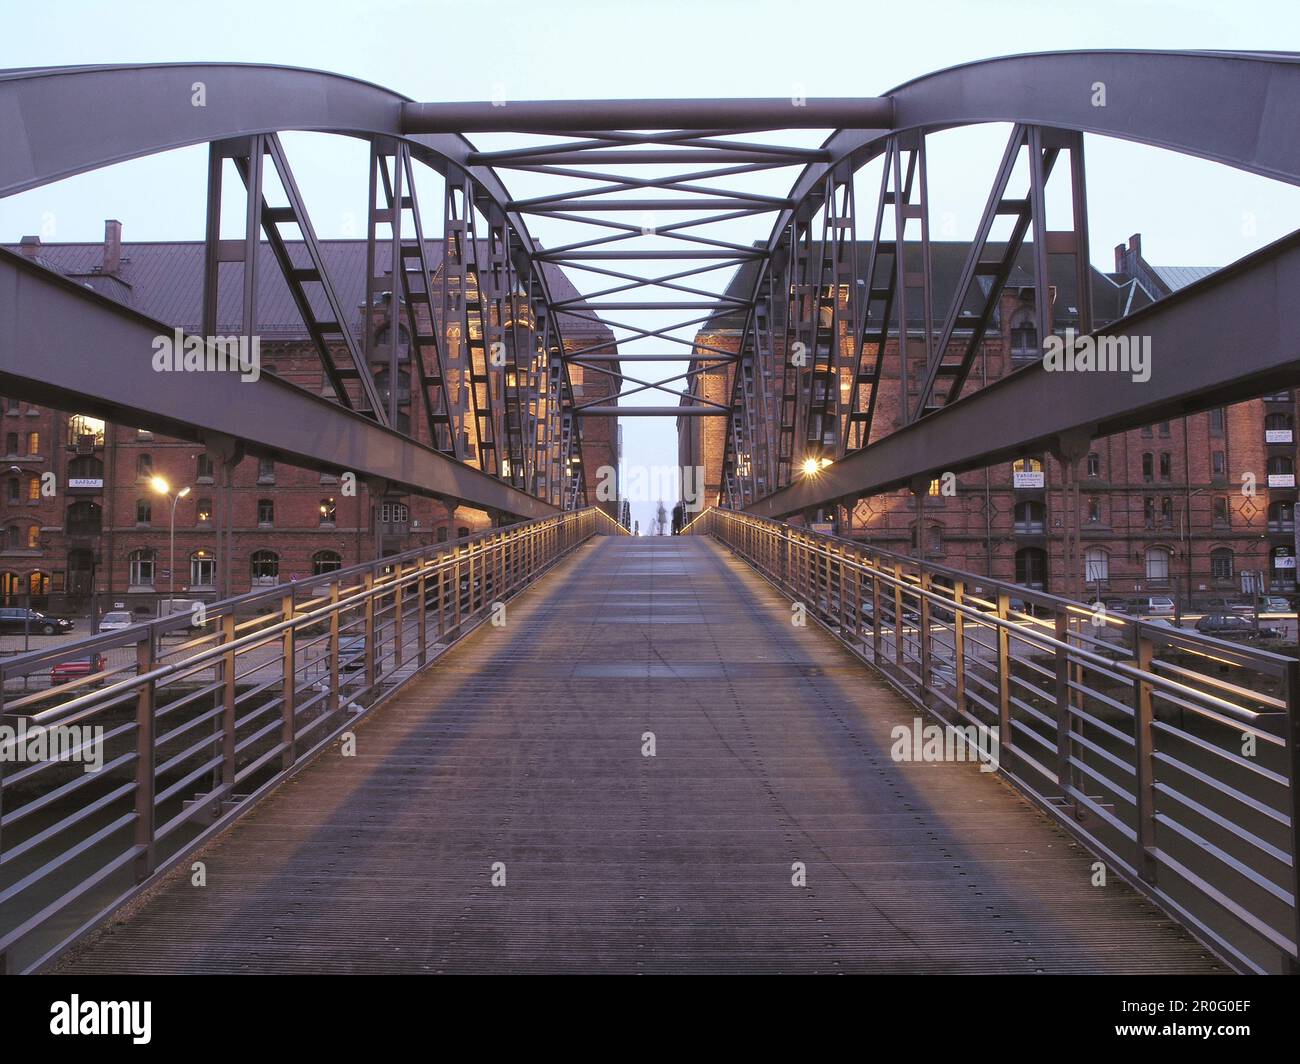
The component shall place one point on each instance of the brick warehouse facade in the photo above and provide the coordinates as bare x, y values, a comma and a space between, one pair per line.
98, 534
1164, 510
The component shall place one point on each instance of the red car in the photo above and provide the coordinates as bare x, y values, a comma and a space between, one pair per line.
76, 668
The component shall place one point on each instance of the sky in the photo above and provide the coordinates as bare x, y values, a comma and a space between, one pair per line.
1189, 212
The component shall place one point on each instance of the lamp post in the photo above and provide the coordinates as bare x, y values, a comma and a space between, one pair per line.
163, 488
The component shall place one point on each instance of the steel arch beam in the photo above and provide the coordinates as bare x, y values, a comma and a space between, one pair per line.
42, 312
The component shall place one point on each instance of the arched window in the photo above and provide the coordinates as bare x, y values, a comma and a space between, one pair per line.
1157, 559
1031, 568
1148, 466
1031, 517
1096, 567
1277, 422
1280, 465
1027, 473
265, 567
141, 568
325, 561
1221, 565
85, 471
84, 519
1282, 571
203, 570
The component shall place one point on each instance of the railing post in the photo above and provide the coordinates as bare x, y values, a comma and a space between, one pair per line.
229, 665
399, 592
333, 647
422, 616
1293, 753
898, 614
1144, 752
926, 655
959, 647
368, 613
1064, 715
1004, 671
289, 685
455, 574
146, 719
877, 638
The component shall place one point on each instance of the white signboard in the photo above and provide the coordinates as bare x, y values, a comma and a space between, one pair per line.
1027, 480
1283, 561
1281, 480
1277, 435
85, 482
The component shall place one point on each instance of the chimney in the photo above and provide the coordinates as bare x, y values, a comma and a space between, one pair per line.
1135, 245
31, 246
112, 247
1121, 259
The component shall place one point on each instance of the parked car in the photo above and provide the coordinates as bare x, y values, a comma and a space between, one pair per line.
115, 621
76, 668
1154, 606
1274, 604
16, 621
1228, 625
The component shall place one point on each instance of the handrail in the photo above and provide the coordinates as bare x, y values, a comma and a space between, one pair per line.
1203, 816
192, 734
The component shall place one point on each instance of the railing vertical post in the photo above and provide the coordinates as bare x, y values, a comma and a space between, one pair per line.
877, 645
229, 665
469, 588
289, 685
1004, 671
422, 615
146, 719
368, 623
1064, 713
857, 600
898, 614
927, 660
456, 566
333, 647
1293, 755
1144, 752
959, 647
399, 592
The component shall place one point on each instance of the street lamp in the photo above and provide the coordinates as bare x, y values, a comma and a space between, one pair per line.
163, 488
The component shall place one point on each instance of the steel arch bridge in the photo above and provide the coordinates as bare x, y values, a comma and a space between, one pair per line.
663, 183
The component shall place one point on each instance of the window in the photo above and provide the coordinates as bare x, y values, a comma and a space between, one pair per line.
1222, 512
142, 570
33, 443
1094, 464
1217, 421
143, 512
265, 567
1167, 512
328, 511
265, 513
1148, 466
203, 468
1094, 510
33, 489
1281, 516
86, 471
203, 570
144, 465
1221, 567
83, 430
1218, 464
1031, 567
1157, 565
265, 471
462, 532
11, 443
393, 513
1166, 466
1164, 428
1030, 516
1277, 421
1096, 566
14, 490
442, 534
1024, 338
34, 537
203, 512
1280, 464
84, 519
1027, 473
1149, 511
1282, 574
325, 561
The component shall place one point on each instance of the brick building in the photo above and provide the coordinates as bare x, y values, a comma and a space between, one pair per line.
1167, 509
97, 532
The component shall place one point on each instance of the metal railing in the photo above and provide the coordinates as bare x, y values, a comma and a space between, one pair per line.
193, 717
1171, 755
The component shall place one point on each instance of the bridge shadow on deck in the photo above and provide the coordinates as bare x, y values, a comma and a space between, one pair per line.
524, 746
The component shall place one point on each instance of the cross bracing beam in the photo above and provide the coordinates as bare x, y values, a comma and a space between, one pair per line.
1242, 309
